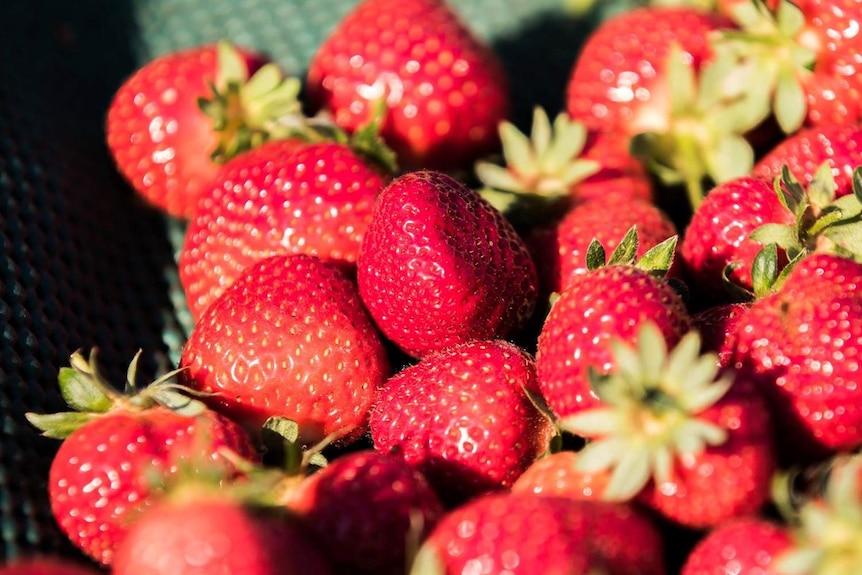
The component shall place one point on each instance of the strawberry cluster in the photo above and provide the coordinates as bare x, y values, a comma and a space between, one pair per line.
425, 341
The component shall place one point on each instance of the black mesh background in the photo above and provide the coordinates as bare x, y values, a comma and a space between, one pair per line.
84, 263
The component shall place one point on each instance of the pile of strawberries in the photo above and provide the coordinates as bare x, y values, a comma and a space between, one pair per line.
428, 342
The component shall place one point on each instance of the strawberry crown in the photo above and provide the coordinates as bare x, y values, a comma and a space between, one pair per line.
90, 395
657, 260
652, 411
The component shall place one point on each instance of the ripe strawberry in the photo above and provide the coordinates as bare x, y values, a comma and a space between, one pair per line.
439, 266
169, 146
558, 474
748, 545
444, 91
463, 417
805, 151
45, 565
691, 442
522, 533
194, 533
284, 197
372, 508
608, 302
718, 326
117, 449
289, 338
801, 343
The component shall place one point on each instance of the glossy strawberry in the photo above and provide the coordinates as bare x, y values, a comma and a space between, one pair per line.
289, 338
439, 266
748, 546
119, 450
198, 533
608, 302
443, 89
45, 565
557, 474
284, 197
554, 535
801, 344
462, 416
169, 147
372, 507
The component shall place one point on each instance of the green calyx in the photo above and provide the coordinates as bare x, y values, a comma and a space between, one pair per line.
657, 260
651, 412
768, 42
538, 170
90, 395
828, 529
822, 223
704, 140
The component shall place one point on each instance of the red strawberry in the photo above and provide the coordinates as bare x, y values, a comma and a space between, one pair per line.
746, 546
284, 197
45, 565
289, 338
439, 266
802, 344
192, 533
117, 448
805, 151
718, 326
167, 146
605, 303
462, 416
444, 91
557, 474
373, 508
517, 534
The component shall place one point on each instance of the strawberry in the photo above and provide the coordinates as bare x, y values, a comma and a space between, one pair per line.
444, 91
194, 531
718, 326
748, 545
607, 302
173, 121
45, 565
463, 416
523, 533
806, 53
805, 151
289, 338
439, 266
801, 344
685, 438
557, 474
284, 197
371, 507
118, 448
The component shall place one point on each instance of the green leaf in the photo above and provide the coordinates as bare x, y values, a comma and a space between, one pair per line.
731, 158
857, 183
59, 425
595, 255
734, 291
784, 236
790, 192
285, 428
518, 151
626, 251
790, 105
764, 269
367, 140
789, 18
541, 134
682, 81
847, 236
178, 402
821, 190
82, 393
231, 66
659, 258
567, 145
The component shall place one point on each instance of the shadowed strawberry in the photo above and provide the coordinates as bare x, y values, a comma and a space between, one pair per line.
747, 545
45, 565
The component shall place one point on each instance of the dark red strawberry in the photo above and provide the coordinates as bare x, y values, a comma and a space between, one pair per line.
444, 91
289, 338
746, 546
439, 266
464, 418
718, 326
169, 146
285, 197
45, 565
118, 450
372, 507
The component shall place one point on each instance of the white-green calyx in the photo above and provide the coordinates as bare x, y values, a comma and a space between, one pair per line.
828, 535
651, 416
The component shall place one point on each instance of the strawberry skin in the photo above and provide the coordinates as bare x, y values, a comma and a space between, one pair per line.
45, 565
463, 418
611, 301
280, 198
748, 546
201, 534
364, 505
160, 139
618, 81
557, 474
440, 266
289, 338
516, 534
101, 476
719, 230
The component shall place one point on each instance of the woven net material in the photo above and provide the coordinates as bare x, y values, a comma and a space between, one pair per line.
85, 263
